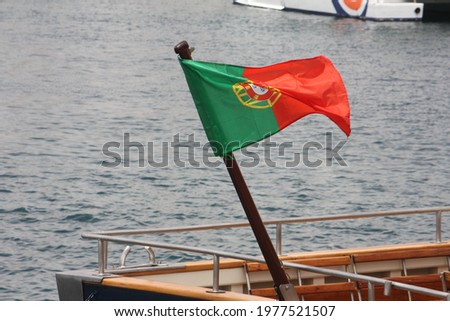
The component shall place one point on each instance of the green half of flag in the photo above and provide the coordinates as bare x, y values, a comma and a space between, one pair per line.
239, 106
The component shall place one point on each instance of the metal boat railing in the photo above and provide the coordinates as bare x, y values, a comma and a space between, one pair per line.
122, 236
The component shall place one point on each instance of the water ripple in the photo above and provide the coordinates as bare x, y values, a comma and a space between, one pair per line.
79, 74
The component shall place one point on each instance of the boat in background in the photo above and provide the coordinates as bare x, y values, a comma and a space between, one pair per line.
380, 10
418, 271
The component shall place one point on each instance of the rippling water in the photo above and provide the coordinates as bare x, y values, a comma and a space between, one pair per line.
75, 75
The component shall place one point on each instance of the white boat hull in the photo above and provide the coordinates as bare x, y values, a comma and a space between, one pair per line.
362, 9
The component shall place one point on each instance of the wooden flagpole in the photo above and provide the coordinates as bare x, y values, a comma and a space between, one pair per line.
284, 289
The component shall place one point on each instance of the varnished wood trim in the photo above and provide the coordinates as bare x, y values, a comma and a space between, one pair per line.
319, 262
194, 292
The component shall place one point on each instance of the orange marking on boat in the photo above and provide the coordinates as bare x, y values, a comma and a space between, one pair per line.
353, 4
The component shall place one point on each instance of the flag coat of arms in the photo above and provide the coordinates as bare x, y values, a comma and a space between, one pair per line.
239, 106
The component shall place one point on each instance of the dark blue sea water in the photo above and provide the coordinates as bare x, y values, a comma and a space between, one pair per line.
75, 75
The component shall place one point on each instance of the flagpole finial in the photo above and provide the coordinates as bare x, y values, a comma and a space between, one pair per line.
183, 50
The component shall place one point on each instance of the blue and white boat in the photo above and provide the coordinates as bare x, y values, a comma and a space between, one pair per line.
362, 9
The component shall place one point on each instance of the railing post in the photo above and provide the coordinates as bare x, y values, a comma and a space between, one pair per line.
102, 256
370, 291
216, 269
438, 226
387, 288
279, 238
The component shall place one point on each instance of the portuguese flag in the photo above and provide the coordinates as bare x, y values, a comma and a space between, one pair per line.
239, 106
